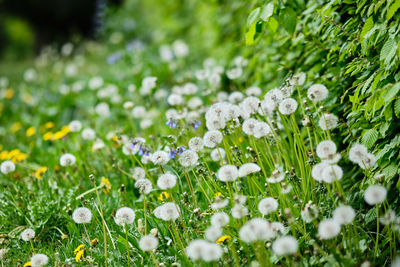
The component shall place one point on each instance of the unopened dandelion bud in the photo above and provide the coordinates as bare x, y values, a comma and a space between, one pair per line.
196, 210
154, 232
140, 226
306, 122
268, 245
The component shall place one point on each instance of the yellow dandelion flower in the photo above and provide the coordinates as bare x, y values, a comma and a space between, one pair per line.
27, 264
13, 153
223, 238
106, 185
217, 194
30, 131
79, 255
47, 136
58, 135
19, 157
49, 125
16, 127
240, 139
39, 172
65, 129
115, 138
163, 196
4, 155
79, 248
94, 242
9, 93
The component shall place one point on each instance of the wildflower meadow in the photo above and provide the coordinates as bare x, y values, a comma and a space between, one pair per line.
207, 133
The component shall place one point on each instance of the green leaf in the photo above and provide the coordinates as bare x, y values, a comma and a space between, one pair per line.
368, 25
392, 92
289, 21
253, 17
267, 11
388, 51
397, 107
250, 34
369, 138
392, 10
273, 24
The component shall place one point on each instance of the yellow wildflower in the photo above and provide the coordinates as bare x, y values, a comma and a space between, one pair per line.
106, 185
19, 157
240, 139
65, 129
217, 194
58, 135
47, 136
31, 131
9, 93
16, 127
79, 248
223, 238
94, 242
49, 125
79, 255
4, 155
163, 196
39, 172
27, 264
13, 153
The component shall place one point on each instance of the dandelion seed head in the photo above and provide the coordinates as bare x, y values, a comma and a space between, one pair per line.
148, 243
267, 205
288, 106
326, 149
196, 144
257, 229
228, 173
328, 121
344, 214
212, 233
317, 170
124, 216
250, 104
212, 138
219, 204
39, 260
67, 159
309, 213
249, 126
138, 173
285, 245
239, 211
75, 126
331, 173
144, 185
188, 158
82, 215
160, 158
166, 181
217, 154
317, 92
220, 219
375, 194
88, 134
28, 234
235, 97
7, 167
328, 229
248, 168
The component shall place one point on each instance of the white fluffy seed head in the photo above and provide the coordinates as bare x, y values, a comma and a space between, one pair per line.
331, 173
285, 245
166, 181
328, 121
228, 173
196, 144
82, 215
212, 138
75, 126
357, 152
267, 205
309, 213
160, 157
288, 106
220, 219
39, 260
375, 194
28, 234
217, 154
138, 173
317, 92
262, 129
212, 233
272, 99
318, 169
257, 229
344, 214
249, 126
88, 134
7, 166
167, 212
326, 149
200, 249
250, 104
144, 185
239, 211
67, 159
148, 243
124, 216
188, 158
248, 168
328, 228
